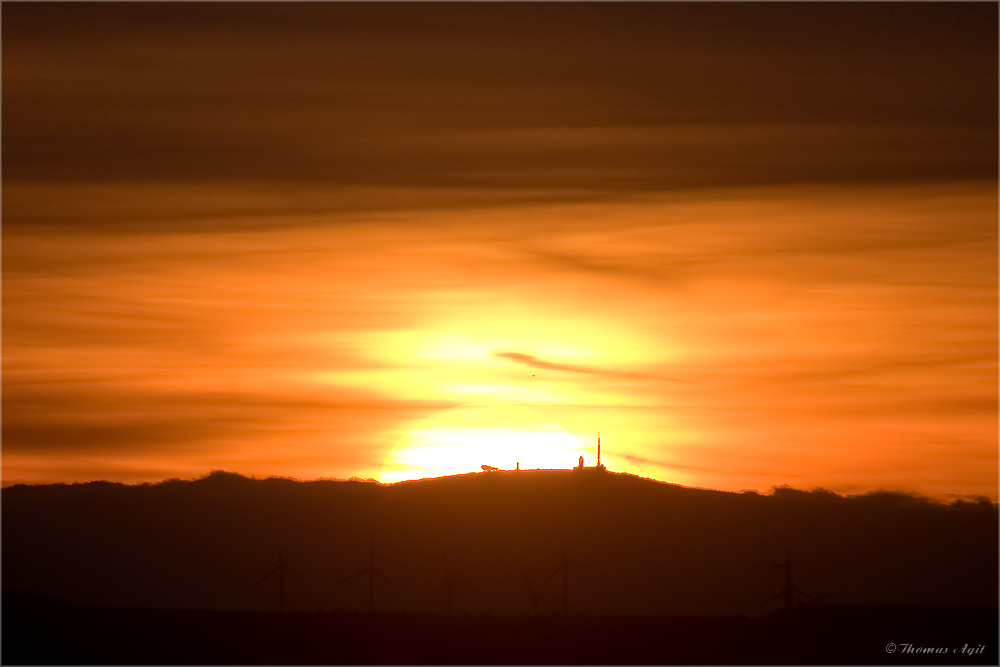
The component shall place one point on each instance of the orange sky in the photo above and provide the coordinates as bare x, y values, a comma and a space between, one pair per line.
835, 336
766, 294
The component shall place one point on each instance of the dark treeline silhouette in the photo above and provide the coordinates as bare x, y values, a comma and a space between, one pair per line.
527, 547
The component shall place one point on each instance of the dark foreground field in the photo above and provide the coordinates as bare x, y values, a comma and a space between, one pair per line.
39, 631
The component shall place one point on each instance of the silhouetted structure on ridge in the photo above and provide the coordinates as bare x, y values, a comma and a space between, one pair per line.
580, 464
600, 466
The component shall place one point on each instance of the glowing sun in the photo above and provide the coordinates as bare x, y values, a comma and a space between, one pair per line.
463, 439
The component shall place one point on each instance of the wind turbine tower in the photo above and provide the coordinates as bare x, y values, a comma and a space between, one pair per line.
281, 580
532, 593
792, 594
564, 567
789, 584
371, 572
448, 585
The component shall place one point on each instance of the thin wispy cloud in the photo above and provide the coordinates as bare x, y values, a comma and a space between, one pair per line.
535, 362
696, 229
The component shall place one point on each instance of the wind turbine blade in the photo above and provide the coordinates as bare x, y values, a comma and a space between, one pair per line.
386, 579
549, 578
292, 569
461, 585
353, 576
434, 592
805, 595
259, 581
527, 583
772, 599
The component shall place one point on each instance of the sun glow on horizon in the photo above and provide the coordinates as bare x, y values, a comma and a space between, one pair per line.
461, 440
734, 341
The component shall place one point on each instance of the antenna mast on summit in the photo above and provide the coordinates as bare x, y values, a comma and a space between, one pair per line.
598, 449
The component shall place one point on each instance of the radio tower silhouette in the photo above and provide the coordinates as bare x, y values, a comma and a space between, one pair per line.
281, 580
371, 572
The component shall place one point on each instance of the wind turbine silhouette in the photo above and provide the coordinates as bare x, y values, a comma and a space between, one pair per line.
793, 595
281, 580
448, 585
564, 567
535, 595
371, 572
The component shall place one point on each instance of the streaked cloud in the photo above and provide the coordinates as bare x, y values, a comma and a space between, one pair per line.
742, 250
518, 97
823, 333
535, 362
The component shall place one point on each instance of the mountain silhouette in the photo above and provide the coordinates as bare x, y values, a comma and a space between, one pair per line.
636, 546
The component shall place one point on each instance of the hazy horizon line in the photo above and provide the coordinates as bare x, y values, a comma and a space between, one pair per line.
774, 490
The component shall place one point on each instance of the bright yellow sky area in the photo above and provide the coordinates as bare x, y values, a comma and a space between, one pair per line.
835, 336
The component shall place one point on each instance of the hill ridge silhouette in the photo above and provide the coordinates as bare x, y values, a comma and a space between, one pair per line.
219, 475
638, 546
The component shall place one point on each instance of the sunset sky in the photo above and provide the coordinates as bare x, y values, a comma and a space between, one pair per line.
751, 244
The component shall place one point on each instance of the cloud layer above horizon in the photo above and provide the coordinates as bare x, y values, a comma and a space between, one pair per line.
273, 239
